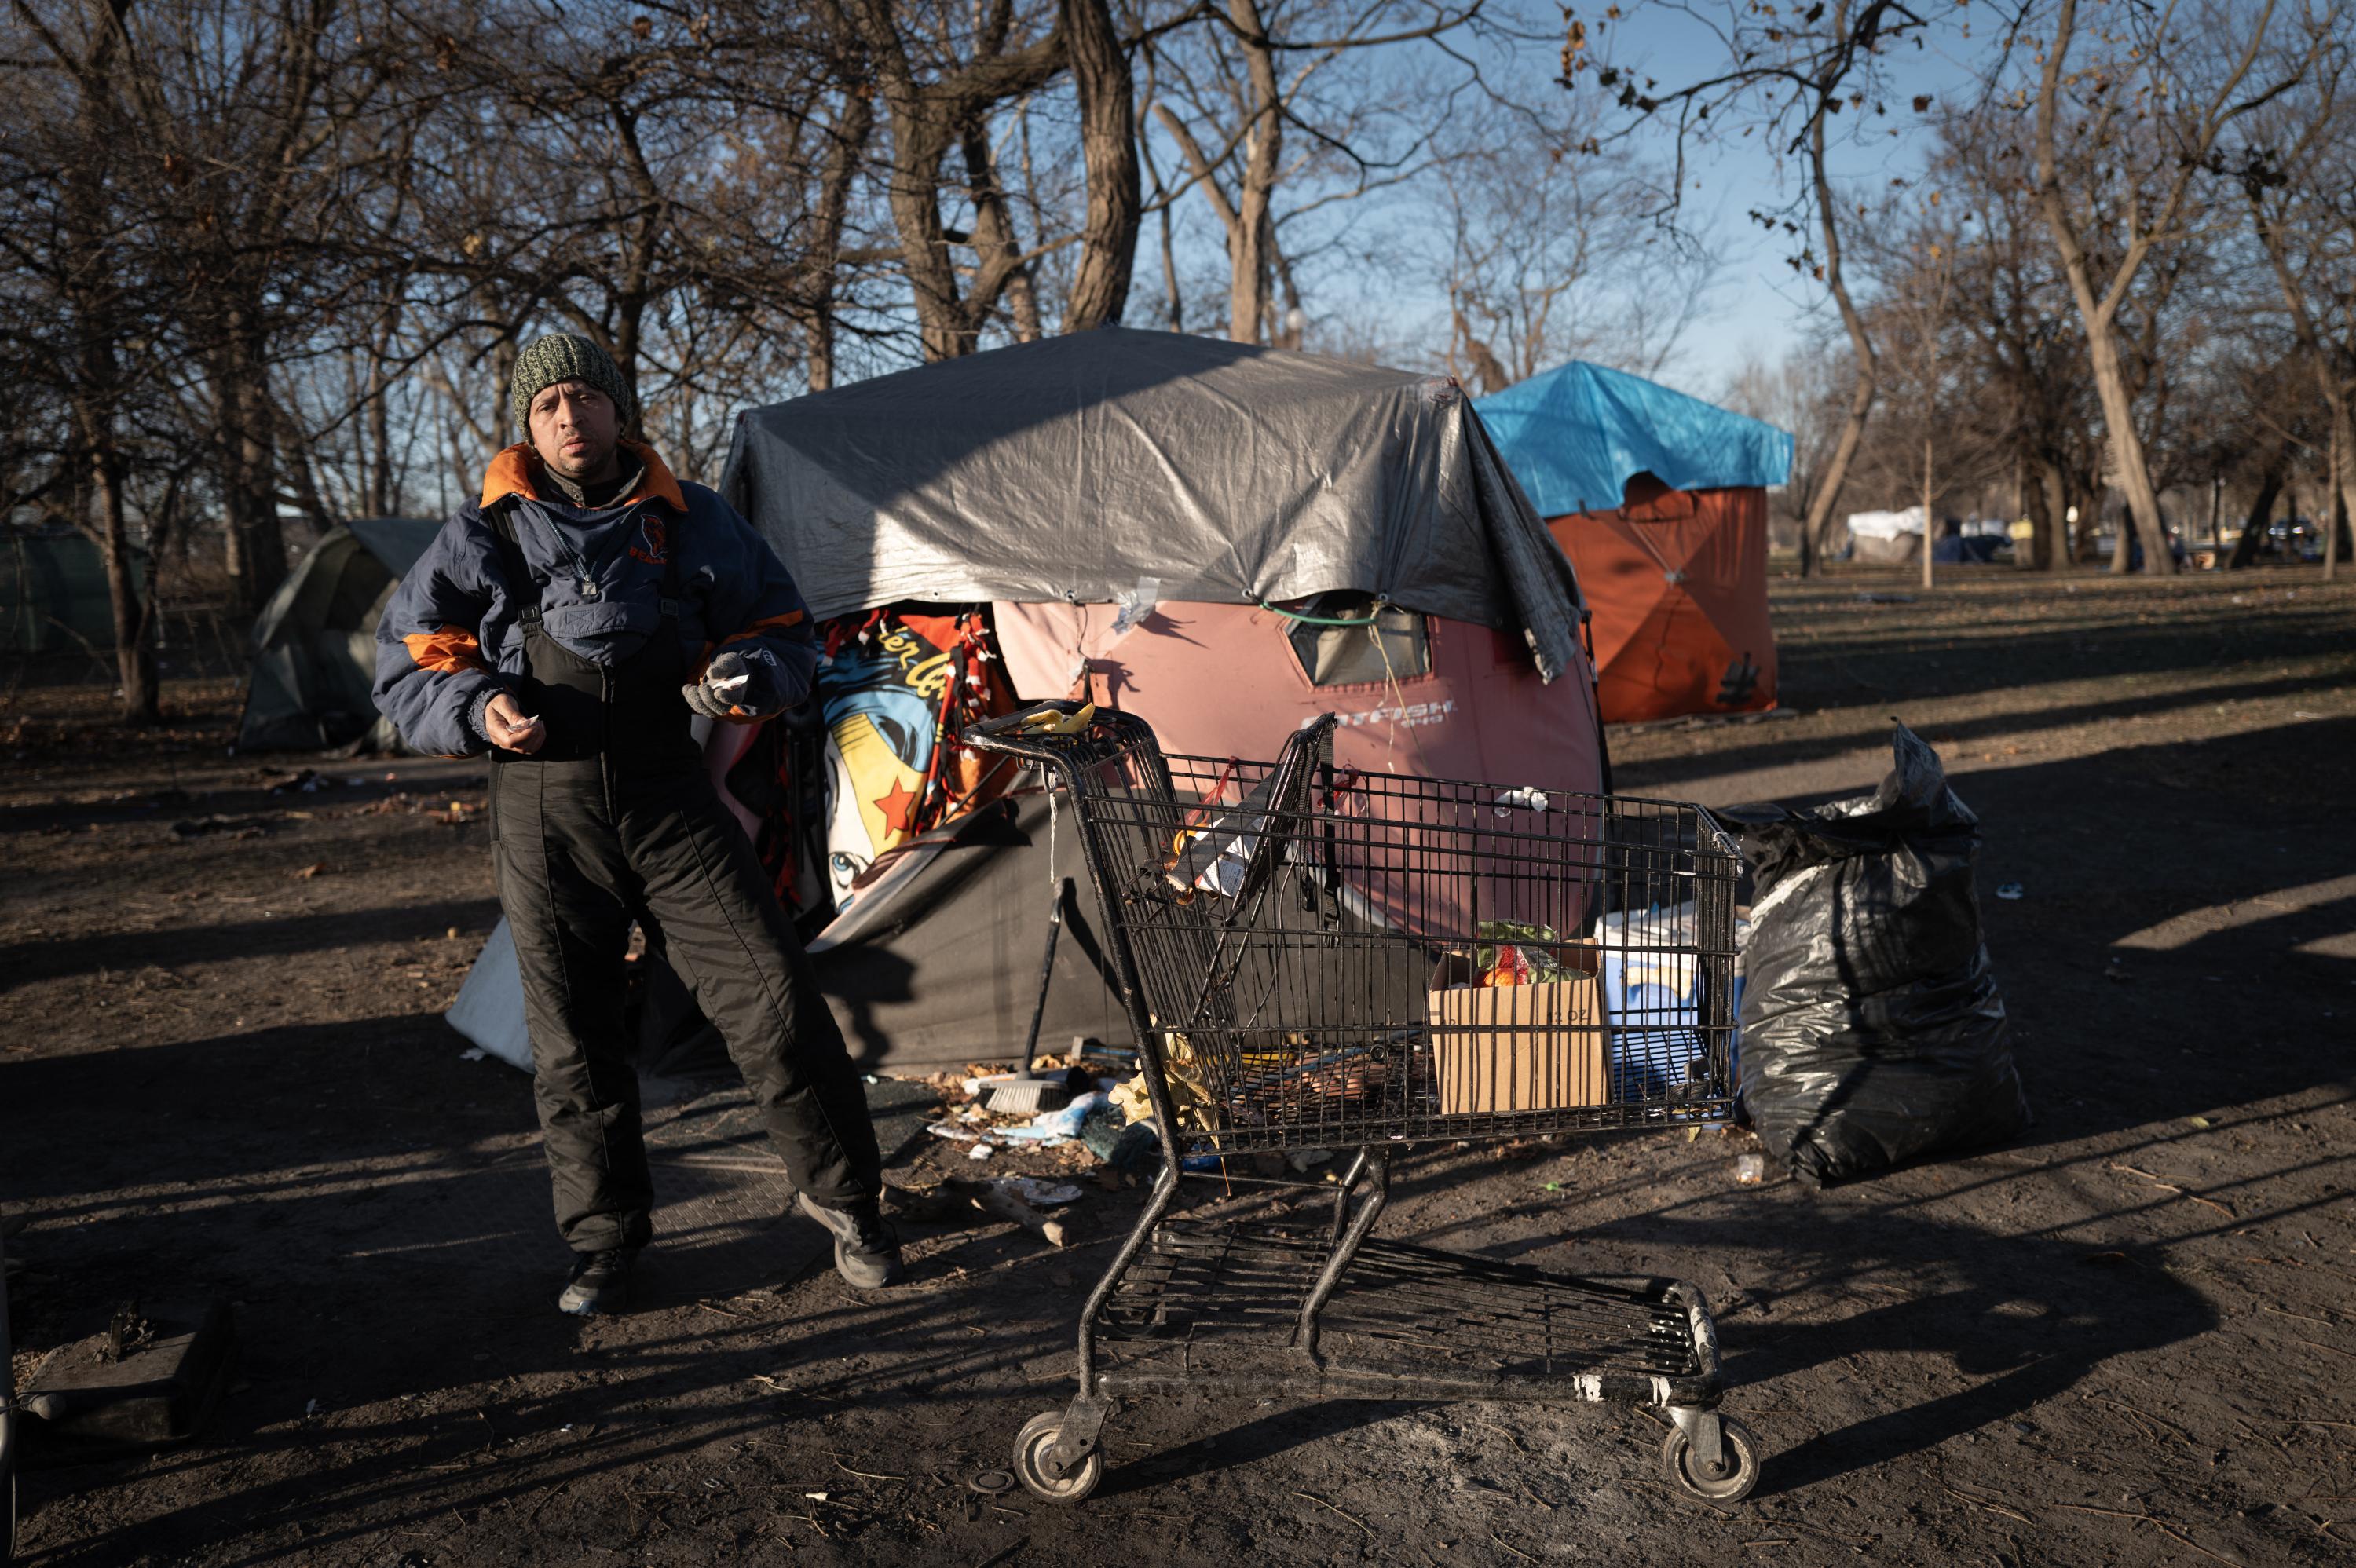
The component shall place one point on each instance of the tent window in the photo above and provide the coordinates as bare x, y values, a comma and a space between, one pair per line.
1392, 646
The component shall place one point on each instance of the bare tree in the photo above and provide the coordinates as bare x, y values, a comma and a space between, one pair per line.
1271, 116
67, 179
940, 83
2300, 180
1787, 76
1552, 254
2151, 102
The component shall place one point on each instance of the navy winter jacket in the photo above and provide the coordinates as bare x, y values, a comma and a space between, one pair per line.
450, 640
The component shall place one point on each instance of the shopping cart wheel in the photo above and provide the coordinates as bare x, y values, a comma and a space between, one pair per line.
1036, 1469
1738, 1467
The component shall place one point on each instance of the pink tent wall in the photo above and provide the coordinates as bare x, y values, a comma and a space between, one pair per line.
1222, 680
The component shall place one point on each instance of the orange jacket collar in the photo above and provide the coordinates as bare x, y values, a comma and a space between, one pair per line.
514, 471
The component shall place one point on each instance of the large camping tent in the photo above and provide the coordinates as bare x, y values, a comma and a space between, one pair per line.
1660, 501
315, 641
1168, 523
53, 592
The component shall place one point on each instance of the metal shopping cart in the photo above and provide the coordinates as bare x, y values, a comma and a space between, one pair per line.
1313, 957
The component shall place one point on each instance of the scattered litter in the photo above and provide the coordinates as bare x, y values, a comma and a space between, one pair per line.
307, 872
1521, 800
1003, 1199
1123, 1145
817, 1497
2199, 1121
1553, 1187
1054, 1126
2011, 891
1750, 1169
955, 1135
990, 1483
1044, 1194
312, 1408
1028, 1096
1301, 1159
982, 1151
196, 827
1137, 603
473, 1054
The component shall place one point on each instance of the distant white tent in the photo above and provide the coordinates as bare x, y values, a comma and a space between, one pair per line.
1886, 525
1884, 538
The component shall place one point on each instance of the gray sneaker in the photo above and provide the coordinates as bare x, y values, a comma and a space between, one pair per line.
867, 1248
600, 1283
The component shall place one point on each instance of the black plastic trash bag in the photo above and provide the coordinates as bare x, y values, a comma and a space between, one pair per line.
1872, 1031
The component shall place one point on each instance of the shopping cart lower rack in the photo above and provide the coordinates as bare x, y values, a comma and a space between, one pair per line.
1313, 957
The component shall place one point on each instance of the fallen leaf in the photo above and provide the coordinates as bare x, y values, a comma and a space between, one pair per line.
313, 869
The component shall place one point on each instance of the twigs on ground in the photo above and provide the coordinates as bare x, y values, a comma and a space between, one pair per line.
1345, 1513
2157, 1523
2171, 1186
1983, 1502
2158, 1423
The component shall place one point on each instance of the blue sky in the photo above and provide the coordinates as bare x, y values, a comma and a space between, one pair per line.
1760, 307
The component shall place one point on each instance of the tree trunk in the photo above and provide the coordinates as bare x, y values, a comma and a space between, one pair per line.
1248, 237
134, 651
2126, 446
1930, 523
2261, 519
1285, 330
927, 119
998, 268
2051, 513
847, 147
2343, 487
249, 478
2097, 311
1869, 370
1107, 100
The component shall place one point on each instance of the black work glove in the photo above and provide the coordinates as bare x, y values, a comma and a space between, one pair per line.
738, 687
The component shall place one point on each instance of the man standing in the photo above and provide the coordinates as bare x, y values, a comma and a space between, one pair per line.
574, 621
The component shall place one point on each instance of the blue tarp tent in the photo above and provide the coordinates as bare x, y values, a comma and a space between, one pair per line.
1576, 435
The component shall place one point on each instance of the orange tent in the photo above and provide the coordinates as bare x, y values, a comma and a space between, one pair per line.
1675, 575
1676, 582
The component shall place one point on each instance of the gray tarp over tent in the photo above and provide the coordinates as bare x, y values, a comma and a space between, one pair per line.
1228, 473
315, 642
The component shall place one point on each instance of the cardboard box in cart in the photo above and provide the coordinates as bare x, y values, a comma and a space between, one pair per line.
1498, 1048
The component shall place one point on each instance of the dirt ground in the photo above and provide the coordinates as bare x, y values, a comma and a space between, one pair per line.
2125, 1338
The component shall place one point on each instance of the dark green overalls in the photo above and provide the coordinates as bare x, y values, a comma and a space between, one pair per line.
614, 819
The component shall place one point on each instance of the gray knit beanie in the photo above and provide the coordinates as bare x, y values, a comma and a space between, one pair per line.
567, 357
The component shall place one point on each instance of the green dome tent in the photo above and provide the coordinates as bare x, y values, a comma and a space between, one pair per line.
315, 642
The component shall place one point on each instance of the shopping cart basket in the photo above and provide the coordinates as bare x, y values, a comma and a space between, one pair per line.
1313, 957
